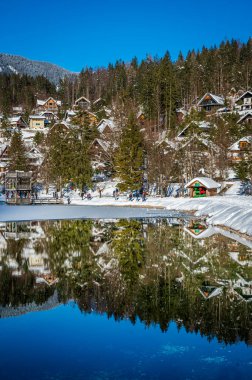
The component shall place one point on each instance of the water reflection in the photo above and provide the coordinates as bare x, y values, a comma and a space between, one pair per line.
156, 271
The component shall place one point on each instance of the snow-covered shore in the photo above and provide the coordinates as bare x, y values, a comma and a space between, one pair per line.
234, 212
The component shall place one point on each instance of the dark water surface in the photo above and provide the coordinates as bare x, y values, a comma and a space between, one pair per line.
125, 299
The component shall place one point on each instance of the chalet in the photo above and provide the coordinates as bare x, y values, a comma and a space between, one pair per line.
49, 104
87, 116
99, 150
106, 128
69, 115
202, 187
37, 121
62, 126
82, 103
244, 102
210, 102
18, 187
246, 118
17, 122
17, 111
35, 157
50, 117
193, 127
240, 150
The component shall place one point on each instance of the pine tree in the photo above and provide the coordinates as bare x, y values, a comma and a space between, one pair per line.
129, 158
17, 153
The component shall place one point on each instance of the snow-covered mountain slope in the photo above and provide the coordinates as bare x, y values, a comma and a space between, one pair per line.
13, 64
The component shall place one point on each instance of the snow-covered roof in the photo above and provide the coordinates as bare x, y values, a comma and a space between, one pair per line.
207, 182
82, 98
244, 94
244, 117
43, 102
204, 125
106, 122
236, 145
218, 99
104, 144
37, 117
204, 234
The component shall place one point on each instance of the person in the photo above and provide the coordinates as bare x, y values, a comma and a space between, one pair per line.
68, 200
116, 193
89, 196
130, 196
82, 195
144, 195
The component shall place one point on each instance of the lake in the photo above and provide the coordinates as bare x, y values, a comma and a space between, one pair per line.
150, 298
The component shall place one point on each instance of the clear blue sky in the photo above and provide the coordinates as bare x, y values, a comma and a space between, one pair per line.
79, 33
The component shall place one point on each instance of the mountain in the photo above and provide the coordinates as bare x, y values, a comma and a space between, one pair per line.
10, 64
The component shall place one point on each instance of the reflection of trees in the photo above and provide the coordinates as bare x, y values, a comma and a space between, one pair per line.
151, 272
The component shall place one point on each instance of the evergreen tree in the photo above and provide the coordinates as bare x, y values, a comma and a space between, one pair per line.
129, 158
17, 153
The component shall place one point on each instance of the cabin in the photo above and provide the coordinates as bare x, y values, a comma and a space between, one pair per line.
18, 187
62, 126
99, 150
201, 187
50, 117
17, 122
35, 157
244, 102
37, 121
69, 115
246, 118
240, 150
17, 111
49, 104
82, 103
106, 128
210, 102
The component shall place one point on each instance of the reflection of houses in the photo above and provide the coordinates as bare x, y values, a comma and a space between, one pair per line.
18, 187
240, 150
244, 102
202, 187
208, 291
210, 102
243, 289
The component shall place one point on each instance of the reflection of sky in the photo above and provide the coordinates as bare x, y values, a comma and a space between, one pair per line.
65, 344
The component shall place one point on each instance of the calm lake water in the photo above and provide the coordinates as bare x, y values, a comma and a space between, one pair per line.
150, 299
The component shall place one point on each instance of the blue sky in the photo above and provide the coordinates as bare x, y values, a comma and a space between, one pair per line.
79, 33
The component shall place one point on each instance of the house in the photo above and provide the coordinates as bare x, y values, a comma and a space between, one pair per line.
244, 102
107, 128
202, 187
61, 126
35, 157
82, 103
37, 121
18, 187
49, 104
99, 150
246, 118
69, 115
240, 150
17, 122
210, 102
50, 117
195, 126
17, 111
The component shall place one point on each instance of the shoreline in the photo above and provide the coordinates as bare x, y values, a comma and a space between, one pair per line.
231, 212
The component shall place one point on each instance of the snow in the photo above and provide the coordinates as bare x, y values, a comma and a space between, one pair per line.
13, 69
209, 183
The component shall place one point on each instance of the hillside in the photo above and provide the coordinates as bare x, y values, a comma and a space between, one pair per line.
13, 64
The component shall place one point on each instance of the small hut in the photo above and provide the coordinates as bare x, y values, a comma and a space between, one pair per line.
18, 187
202, 187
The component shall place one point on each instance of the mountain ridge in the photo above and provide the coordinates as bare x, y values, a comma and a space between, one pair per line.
15, 64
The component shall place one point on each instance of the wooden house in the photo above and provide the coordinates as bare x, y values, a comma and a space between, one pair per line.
244, 102
37, 122
17, 122
246, 118
100, 150
200, 187
82, 103
240, 150
210, 102
18, 187
107, 129
49, 104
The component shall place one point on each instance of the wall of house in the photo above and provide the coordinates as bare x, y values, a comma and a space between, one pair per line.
37, 123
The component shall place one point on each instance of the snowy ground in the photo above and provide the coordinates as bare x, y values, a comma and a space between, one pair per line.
231, 210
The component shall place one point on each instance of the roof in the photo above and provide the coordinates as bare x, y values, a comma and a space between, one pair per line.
82, 98
37, 117
218, 99
43, 102
236, 145
207, 182
104, 144
200, 124
106, 122
244, 117
244, 94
